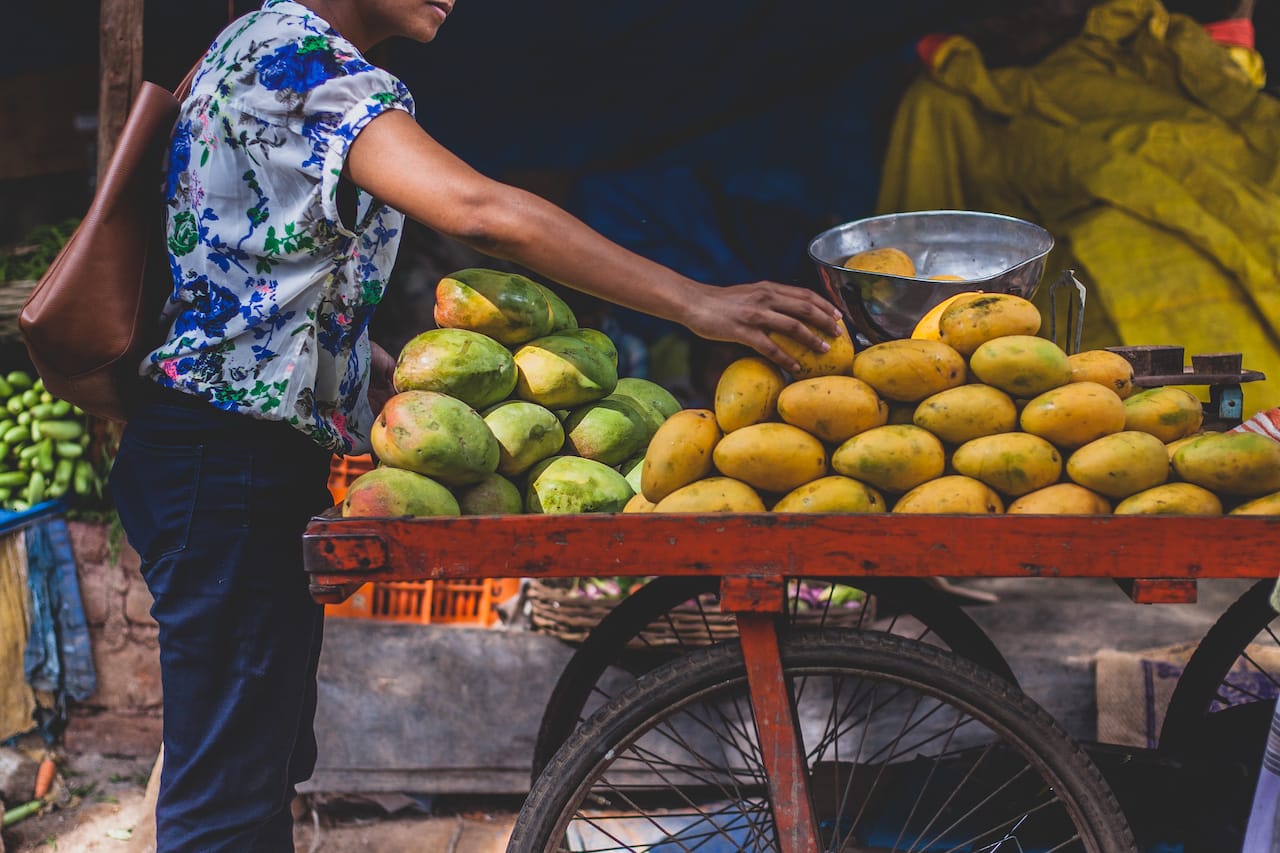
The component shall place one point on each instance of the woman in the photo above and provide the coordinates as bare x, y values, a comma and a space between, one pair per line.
292, 166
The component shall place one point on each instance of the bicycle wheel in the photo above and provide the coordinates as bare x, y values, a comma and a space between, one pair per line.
582, 686
1224, 677
1218, 717
908, 748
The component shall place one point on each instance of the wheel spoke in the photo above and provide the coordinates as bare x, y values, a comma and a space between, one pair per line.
924, 787
988, 798
880, 772
906, 758
1004, 828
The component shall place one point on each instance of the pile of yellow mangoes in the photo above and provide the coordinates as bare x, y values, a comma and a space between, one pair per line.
975, 413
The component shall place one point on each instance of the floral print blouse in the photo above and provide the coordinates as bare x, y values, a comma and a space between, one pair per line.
273, 291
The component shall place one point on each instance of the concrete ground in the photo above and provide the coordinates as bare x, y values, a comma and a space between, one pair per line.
1048, 628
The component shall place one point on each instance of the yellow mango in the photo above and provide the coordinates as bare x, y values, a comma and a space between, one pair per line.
909, 370
714, 494
1022, 365
969, 323
1104, 367
1231, 463
892, 458
1073, 415
1265, 505
831, 494
957, 415
951, 494
946, 277
1171, 499
1013, 464
638, 503
927, 329
1168, 413
837, 361
886, 260
679, 452
771, 457
747, 393
833, 408
1060, 499
1120, 465
1171, 447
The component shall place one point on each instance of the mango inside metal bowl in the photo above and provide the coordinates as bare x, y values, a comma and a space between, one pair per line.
988, 251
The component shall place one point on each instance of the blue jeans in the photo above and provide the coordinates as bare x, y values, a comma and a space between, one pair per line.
215, 503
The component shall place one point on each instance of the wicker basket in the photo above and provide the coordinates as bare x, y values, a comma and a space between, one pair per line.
557, 611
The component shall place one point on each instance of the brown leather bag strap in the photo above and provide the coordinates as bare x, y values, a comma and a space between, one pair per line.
184, 88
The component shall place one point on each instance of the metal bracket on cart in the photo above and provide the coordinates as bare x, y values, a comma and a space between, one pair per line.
1074, 314
1221, 372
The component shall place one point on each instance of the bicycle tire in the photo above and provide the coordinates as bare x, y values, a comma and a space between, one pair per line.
606, 643
1208, 668
703, 677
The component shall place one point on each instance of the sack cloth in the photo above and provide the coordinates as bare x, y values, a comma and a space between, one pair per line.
1133, 688
1145, 149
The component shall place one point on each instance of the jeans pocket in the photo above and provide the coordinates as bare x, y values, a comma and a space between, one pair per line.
154, 487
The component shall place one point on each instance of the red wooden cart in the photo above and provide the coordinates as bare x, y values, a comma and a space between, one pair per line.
1156, 559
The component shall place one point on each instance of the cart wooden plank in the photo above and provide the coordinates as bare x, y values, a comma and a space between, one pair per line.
341, 552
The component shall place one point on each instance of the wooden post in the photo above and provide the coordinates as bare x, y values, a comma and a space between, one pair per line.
120, 68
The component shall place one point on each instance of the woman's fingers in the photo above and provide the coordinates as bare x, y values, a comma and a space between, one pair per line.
799, 303
748, 313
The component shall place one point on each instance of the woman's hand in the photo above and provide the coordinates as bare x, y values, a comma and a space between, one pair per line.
382, 371
747, 313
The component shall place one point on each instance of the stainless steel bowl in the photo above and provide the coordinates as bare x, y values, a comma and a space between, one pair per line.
990, 252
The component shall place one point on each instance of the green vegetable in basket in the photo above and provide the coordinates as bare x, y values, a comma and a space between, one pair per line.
841, 595
44, 456
59, 430
84, 479
12, 479
35, 488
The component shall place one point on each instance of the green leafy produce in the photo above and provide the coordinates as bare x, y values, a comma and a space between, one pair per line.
32, 255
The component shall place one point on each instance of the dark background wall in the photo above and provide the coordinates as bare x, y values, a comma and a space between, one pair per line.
715, 136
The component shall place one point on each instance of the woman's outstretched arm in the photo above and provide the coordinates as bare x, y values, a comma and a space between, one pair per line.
399, 163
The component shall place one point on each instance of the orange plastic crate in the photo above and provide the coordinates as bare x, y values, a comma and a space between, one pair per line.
343, 470
455, 602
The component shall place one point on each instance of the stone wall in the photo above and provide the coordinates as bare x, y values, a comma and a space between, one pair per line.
117, 606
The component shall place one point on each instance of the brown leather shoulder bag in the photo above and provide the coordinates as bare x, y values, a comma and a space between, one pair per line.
96, 311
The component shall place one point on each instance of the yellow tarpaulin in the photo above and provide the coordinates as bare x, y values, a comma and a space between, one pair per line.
1146, 149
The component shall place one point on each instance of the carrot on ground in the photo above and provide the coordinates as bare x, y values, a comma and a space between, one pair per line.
44, 777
